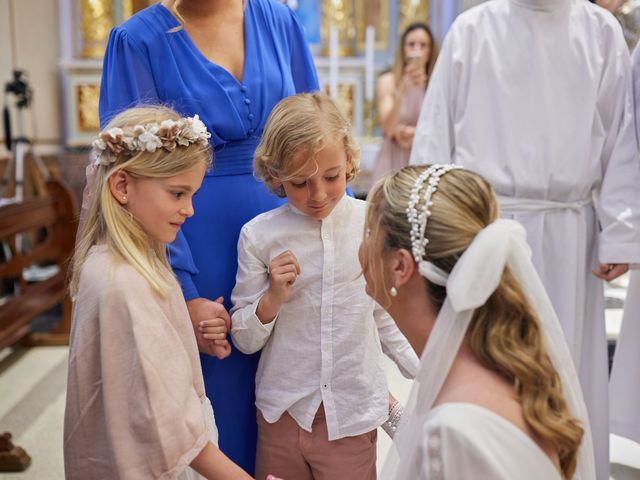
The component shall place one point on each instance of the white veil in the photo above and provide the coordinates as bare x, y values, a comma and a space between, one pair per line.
473, 279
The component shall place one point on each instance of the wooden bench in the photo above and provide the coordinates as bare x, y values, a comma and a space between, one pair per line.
48, 224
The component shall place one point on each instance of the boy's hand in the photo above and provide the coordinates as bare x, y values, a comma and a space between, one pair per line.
283, 272
211, 323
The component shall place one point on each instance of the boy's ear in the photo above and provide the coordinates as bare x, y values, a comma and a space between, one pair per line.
119, 185
350, 167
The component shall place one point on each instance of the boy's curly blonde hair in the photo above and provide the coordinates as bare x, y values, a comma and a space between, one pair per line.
303, 122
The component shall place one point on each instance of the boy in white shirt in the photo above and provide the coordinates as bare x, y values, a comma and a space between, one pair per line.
321, 390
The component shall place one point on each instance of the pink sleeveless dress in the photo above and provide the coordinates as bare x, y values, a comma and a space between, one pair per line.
392, 156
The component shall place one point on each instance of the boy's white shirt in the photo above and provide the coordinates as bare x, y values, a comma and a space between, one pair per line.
325, 343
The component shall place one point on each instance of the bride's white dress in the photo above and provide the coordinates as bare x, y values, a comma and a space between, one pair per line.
467, 441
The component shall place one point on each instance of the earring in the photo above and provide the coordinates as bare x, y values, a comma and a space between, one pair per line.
124, 198
393, 291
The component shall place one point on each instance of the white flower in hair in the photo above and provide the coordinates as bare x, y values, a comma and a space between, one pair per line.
192, 130
99, 145
149, 139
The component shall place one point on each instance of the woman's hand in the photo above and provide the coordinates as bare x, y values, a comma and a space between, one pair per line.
283, 272
612, 5
211, 323
414, 75
610, 271
403, 135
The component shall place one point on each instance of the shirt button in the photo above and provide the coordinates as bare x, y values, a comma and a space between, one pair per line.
326, 236
251, 130
251, 115
243, 88
324, 386
247, 101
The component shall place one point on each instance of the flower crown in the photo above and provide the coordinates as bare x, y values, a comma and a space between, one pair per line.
167, 134
418, 220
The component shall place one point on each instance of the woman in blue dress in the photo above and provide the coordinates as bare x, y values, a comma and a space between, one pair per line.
230, 63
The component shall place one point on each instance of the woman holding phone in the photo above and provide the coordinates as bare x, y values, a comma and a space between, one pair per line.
400, 92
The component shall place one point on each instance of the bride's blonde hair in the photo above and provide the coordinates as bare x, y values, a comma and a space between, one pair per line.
106, 221
504, 334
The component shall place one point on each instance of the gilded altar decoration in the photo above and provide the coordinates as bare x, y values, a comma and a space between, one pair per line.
376, 14
410, 11
96, 18
338, 13
345, 99
629, 16
87, 108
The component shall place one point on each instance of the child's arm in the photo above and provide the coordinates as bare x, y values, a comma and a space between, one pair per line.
259, 293
212, 464
394, 343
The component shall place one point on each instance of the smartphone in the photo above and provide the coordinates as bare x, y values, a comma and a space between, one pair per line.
418, 60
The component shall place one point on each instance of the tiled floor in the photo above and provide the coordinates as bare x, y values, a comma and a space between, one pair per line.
32, 393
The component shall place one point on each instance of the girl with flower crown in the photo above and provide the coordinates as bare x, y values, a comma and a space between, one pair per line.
230, 61
136, 406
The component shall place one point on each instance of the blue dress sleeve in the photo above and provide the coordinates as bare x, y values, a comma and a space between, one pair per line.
127, 81
303, 69
181, 261
127, 78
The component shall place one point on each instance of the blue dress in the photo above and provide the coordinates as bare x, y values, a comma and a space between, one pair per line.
144, 63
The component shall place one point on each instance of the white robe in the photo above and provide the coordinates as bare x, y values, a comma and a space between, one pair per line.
625, 375
535, 95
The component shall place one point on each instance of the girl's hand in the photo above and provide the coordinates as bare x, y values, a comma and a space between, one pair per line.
283, 272
610, 271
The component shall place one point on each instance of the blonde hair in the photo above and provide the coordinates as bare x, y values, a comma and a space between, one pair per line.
107, 221
303, 122
400, 59
504, 334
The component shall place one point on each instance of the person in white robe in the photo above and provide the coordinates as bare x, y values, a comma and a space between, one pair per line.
624, 384
536, 96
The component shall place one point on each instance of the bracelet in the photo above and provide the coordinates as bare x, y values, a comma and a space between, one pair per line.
395, 415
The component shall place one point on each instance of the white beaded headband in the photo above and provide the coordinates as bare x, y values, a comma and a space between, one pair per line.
167, 134
418, 219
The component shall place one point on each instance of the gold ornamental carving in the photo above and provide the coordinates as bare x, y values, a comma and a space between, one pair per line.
410, 11
629, 16
338, 13
345, 99
87, 118
375, 13
96, 20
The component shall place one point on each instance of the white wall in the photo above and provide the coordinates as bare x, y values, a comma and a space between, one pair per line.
29, 34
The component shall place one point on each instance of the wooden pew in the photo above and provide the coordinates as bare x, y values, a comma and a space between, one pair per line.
53, 215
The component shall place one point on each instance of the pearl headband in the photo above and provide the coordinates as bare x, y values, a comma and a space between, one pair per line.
418, 220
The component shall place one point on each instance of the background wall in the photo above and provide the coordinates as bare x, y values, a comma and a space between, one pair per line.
29, 40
